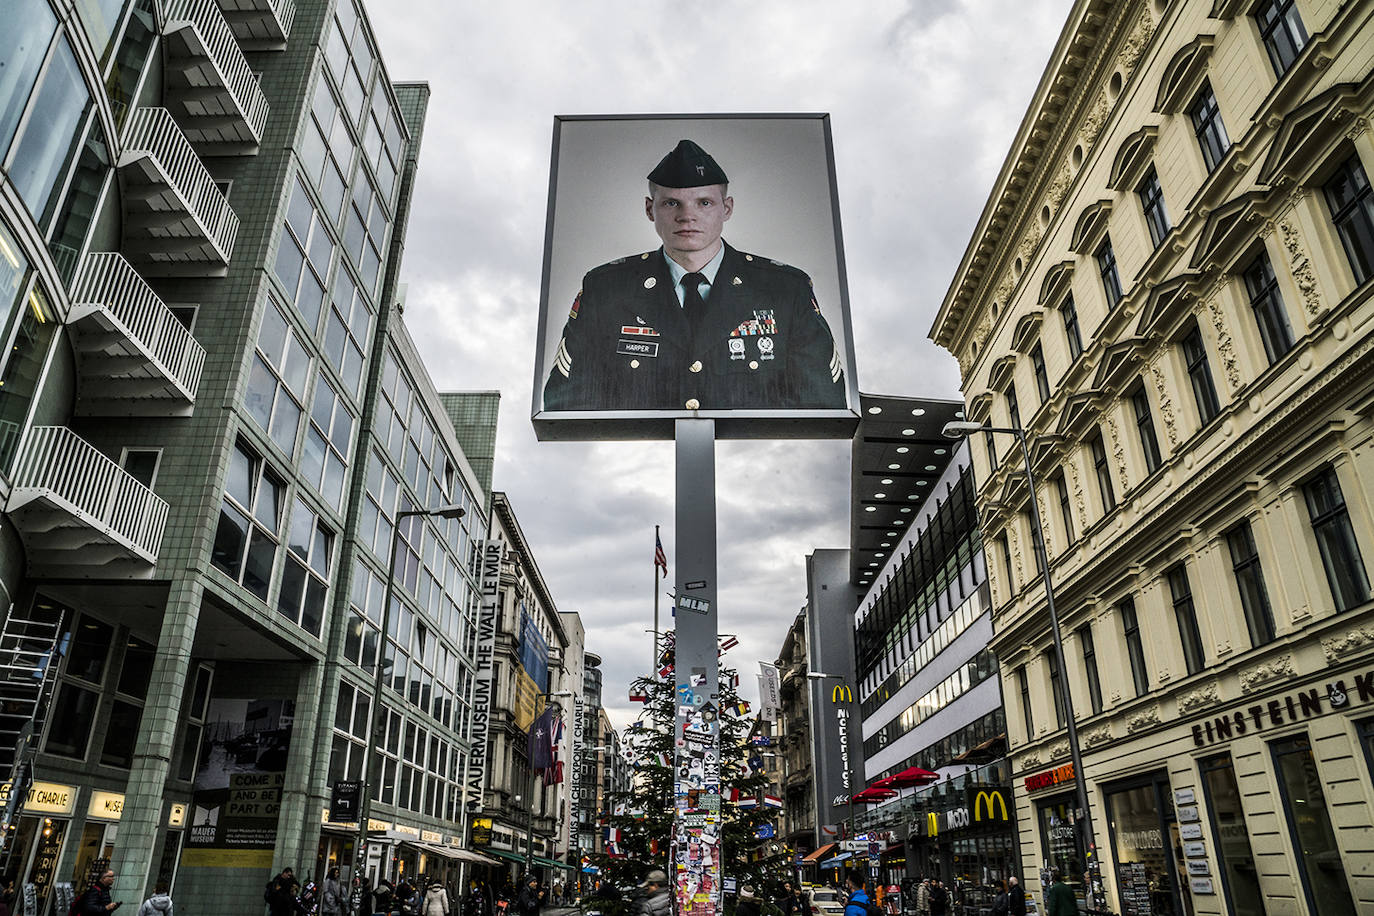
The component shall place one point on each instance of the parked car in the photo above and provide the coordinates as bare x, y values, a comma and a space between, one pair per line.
826, 902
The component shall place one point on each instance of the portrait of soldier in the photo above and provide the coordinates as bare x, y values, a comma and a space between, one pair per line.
694, 324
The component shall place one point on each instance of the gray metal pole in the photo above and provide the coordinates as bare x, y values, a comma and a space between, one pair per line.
696, 728
1079, 778
653, 659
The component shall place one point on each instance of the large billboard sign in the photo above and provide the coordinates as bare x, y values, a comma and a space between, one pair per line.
693, 267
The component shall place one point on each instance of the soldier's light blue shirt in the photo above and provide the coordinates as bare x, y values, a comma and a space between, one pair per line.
677, 272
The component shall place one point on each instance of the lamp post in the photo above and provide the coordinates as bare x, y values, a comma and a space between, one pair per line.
961, 429
370, 760
529, 824
848, 772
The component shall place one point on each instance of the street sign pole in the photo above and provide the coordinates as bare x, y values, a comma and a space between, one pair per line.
695, 867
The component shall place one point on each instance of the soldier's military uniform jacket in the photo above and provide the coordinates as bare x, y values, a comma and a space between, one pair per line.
759, 343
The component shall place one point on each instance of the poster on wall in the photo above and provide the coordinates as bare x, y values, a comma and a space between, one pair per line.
239, 779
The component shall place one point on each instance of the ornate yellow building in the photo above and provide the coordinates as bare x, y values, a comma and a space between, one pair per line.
1171, 289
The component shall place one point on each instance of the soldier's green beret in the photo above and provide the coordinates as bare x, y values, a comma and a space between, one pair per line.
687, 166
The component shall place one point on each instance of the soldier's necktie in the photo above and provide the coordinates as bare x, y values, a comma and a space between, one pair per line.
692, 303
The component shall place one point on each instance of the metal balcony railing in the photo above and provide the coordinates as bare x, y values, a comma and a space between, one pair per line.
153, 134
108, 282
57, 465
260, 25
227, 68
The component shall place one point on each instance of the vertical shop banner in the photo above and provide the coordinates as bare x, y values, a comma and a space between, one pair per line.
237, 797
492, 553
770, 692
532, 679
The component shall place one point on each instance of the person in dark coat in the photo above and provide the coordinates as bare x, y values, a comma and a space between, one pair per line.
939, 898
527, 904
382, 896
749, 904
694, 324
96, 901
654, 898
1016, 898
1059, 899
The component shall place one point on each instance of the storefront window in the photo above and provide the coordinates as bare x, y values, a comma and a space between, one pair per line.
1309, 823
1235, 860
1062, 842
1147, 850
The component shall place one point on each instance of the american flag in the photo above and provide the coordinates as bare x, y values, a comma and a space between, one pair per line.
660, 558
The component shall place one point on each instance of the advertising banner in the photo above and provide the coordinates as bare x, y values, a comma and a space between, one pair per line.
237, 796
491, 552
770, 692
693, 266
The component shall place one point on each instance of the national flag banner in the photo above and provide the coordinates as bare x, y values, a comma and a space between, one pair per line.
747, 802
664, 759
553, 773
660, 558
772, 801
639, 696
540, 747
740, 709
727, 644
730, 795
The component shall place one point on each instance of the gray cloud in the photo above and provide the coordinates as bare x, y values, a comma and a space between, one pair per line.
925, 98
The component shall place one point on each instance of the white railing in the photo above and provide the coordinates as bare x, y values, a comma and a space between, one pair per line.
108, 281
58, 461
286, 13
154, 131
225, 54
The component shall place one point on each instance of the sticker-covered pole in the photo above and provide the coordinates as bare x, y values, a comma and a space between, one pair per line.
695, 869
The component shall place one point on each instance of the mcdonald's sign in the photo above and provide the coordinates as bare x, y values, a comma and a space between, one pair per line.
932, 823
989, 805
841, 693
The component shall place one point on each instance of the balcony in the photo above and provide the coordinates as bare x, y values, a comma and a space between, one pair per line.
176, 221
209, 85
260, 25
80, 514
136, 358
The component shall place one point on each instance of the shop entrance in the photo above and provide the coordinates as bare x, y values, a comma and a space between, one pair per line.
31, 857
1146, 847
94, 853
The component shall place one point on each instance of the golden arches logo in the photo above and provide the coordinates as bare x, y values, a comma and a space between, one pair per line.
841, 693
993, 801
932, 823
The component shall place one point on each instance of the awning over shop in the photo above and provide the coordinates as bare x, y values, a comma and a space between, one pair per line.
819, 854
837, 860
453, 852
503, 854
552, 863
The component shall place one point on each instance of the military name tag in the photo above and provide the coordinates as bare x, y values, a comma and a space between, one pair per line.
636, 348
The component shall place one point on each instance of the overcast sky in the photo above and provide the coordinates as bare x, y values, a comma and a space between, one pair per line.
924, 99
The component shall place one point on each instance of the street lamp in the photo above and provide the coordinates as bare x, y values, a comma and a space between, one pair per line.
529, 824
959, 429
370, 760
849, 777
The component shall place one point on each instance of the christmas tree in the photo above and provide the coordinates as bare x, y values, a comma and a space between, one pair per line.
638, 824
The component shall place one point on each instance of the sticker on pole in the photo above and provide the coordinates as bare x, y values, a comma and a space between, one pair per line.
693, 604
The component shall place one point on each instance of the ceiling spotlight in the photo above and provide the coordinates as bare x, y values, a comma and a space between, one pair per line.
894, 467
875, 410
908, 432
879, 495
887, 481
903, 450
939, 451
885, 544
930, 467
906, 508
870, 508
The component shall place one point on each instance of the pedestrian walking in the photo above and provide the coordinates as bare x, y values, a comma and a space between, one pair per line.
1059, 899
1016, 897
1001, 901
527, 904
435, 901
923, 898
280, 893
748, 904
160, 903
788, 902
858, 902
654, 899
939, 898
96, 900
382, 897
331, 895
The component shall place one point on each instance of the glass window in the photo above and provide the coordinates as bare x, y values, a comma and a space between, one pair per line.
1056, 687
1235, 860
121, 731
1185, 614
1282, 32
1145, 425
1147, 849
1013, 406
327, 443
1085, 640
1104, 474
1254, 598
1023, 683
305, 576
1267, 303
1106, 269
24, 41
50, 134
276, 385
1062, 841
1345, 571
135, 47
991, 446
1352, 210
71, 721
90, 649
136, 671
28, 354
77, 210
1042, 378
1069, 312
250, 522
1152, 203
1061, 489
1208, 126
1309, 825
1005, 546
1135, 647
1200, 374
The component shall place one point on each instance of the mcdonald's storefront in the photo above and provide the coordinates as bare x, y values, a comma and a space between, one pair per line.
965, 837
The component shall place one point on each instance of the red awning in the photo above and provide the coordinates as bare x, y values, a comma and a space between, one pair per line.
913, 776
872, 794
819, 853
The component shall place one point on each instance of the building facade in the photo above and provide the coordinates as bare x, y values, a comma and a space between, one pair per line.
535, 651
928, 690
1169, 290
211, 415
794, 742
